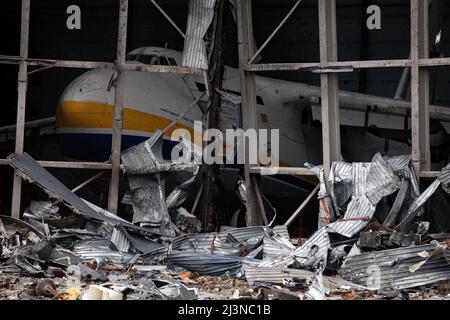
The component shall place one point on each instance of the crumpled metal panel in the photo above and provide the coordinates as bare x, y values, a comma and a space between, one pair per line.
341, 177
399, 163
360, 210
204, 264
393, 213
180, 193
278, 276
242, 234
282, 231
226, 243
390, 268
444, 177
314, 250
276, 247
99, 249
327, 212
146, 157
380, 181
31, 171
148, 198
120, 240
201, 14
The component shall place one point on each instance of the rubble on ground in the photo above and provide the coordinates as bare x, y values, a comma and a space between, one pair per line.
93, 254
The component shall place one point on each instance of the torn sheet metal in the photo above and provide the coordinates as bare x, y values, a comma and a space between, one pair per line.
380, 181
418, 203
10, 226
281, 231
186, 222
43, 210
148, 198
312, 252
208, 243
36, 258
390, 268
444, 177
398, 164
360, 210
393, 213
278, 276
276, 247
180, 193
31, 171
146, 157
327, 212
101, 250
200, 17
341, 178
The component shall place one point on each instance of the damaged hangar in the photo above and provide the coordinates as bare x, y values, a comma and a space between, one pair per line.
109, 188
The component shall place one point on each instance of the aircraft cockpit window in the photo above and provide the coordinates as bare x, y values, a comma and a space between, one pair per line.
172, 62
132, 57
163, 61
149, 59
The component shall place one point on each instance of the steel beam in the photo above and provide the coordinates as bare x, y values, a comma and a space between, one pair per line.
420, 93
21, 104
113, 199
248, 98
331, 137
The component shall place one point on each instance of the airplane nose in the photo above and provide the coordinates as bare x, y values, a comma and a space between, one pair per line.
85, 110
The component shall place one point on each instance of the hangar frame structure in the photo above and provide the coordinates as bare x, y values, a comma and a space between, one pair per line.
329, 68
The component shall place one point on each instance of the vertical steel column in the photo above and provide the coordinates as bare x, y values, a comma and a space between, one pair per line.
248, 98
331, 137
113, 199
21, 103
420, 91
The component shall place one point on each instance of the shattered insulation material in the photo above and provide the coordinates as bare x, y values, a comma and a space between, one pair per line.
391, 268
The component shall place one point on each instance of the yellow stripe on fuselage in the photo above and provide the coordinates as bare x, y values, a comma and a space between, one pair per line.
89, 115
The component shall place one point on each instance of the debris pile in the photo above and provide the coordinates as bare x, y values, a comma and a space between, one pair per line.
362, 249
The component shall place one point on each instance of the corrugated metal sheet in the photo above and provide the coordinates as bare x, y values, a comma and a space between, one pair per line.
276, 247
313, 250
225, 243
341, 177
398, 163
205, 264
418, 203
242, 234
92, 249
390, 268
255, 275
360, 210
393, 213
201, 14
282, 231
444, 177
120, 240
380, 181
